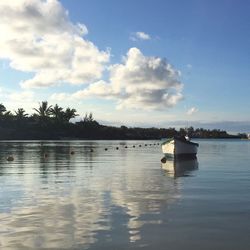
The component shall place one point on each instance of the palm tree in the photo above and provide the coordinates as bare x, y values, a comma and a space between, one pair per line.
44, 110
20, 114
69, 114
91, 119
2, 109
57, 112
88, 117
5, 116
8, 116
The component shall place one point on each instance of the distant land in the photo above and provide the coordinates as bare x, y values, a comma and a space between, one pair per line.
53, 123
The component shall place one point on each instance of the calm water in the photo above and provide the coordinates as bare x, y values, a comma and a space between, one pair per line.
123, 199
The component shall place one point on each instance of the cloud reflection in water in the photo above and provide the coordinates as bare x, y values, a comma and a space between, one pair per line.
83, 200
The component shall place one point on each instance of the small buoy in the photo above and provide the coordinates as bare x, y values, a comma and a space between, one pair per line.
72, 152
10, 158
91, 150
126, 146
133, 146
117, 148
146, 145
139, 145
105, 149
45, 155
163, 160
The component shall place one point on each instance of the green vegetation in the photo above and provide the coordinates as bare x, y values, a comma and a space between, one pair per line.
53, 123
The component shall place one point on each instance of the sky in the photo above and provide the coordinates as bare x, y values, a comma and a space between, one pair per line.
143, 63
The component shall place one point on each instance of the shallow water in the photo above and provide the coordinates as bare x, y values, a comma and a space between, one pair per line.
123, 199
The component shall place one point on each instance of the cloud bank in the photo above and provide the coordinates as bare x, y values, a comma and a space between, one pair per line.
40, 38
140, 82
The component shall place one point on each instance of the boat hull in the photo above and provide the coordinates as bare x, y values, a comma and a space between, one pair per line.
179, 148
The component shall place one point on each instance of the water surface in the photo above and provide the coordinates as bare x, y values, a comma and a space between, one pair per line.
76, 195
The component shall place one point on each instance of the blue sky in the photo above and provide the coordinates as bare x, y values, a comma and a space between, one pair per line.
199, 51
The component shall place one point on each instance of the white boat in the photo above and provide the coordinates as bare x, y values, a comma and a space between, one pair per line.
179, 147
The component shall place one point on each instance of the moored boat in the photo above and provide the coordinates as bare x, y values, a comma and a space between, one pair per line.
179, 147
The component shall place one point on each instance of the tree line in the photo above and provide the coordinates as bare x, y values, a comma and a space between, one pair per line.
53, 122
44, 112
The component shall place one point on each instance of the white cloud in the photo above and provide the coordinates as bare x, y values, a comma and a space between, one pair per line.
60, 97
100, 89
140, 83
139, 35
16, 96
192, 111
20, 97
40, 38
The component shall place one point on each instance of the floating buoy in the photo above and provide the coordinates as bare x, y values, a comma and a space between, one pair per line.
126, 146
45, 155
105, 149
146, 145
133, 146
163, 160
72, 152
10, 158
139, 145
117, 148
91, 150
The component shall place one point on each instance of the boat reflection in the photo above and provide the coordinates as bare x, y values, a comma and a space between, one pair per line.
180, 167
